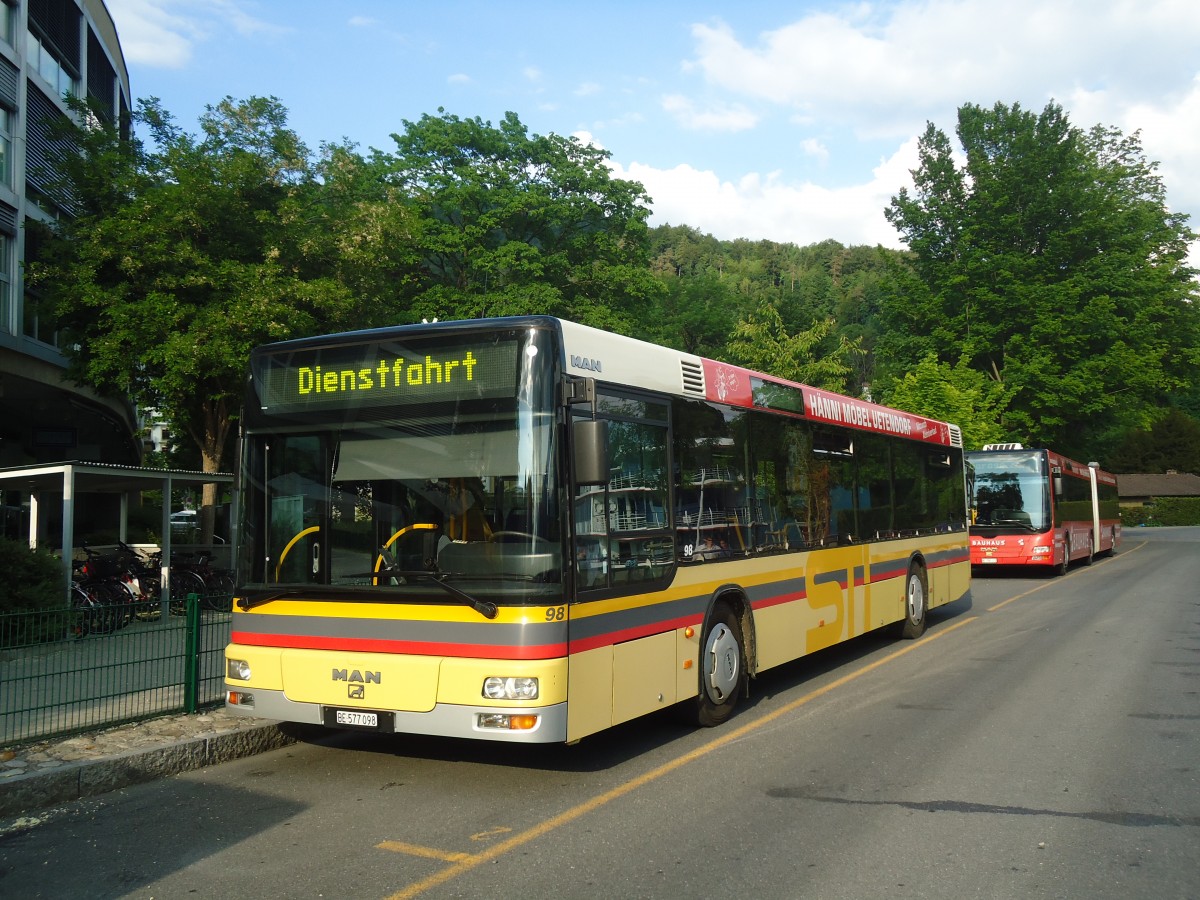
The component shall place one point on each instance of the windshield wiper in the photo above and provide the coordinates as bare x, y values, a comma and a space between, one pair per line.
247, 603
485, 608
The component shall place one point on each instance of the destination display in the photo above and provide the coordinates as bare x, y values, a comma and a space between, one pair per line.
384, 374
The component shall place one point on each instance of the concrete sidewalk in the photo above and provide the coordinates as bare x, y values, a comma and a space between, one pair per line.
36, 776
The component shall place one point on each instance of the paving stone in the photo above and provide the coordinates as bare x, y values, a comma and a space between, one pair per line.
36, 776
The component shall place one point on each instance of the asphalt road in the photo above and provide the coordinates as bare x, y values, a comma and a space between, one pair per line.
1041, 741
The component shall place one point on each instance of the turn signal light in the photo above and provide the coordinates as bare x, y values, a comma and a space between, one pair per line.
507, 722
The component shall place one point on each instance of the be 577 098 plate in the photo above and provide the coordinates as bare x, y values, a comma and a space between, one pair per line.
365, 719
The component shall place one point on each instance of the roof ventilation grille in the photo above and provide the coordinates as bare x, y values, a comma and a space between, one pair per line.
693, 377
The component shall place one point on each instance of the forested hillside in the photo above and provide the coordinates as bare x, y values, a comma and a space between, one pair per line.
1044, 296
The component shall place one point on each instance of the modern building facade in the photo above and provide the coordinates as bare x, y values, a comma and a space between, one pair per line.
49, 48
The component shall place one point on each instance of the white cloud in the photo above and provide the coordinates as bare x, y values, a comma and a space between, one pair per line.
717, 117
153, 36
880, 71
163, 33
882, 67
765, 206
815, 149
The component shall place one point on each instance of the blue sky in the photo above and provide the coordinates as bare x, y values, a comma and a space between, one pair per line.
761, 120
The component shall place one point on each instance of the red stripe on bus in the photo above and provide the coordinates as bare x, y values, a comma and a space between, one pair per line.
411, 648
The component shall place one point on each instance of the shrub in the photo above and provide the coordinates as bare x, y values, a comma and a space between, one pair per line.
32, 580
1163, 511
1176, 511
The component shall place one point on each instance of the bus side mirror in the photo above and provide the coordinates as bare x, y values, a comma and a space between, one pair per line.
590, 438
1058, 485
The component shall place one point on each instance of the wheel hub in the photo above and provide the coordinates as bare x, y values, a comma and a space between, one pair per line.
723, 663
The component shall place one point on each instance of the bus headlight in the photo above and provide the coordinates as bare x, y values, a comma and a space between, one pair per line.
519, 688
237, 670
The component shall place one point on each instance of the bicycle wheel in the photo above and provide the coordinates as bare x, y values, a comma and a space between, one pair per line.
98, 616
184, 582
83, 612
150, 607
218, 594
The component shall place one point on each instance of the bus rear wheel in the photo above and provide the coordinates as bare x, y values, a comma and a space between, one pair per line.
916, 603
722, 667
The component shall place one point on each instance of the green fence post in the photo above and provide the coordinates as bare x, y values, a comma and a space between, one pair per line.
191, 654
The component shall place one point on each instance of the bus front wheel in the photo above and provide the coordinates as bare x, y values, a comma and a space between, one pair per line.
722, 667
916, 603
1066, 561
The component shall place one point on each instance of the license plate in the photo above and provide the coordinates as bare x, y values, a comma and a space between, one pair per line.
360, 718
988, 560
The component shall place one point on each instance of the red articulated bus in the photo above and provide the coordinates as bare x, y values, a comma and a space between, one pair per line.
1039, 508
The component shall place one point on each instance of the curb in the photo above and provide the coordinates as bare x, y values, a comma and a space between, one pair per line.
34, 791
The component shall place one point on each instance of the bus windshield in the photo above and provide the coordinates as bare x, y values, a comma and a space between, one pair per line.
447, 502
1011, 492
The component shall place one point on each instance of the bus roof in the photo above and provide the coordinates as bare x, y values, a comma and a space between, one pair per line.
613, 358
1055, 460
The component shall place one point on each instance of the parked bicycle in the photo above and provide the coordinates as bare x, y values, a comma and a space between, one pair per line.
214, 586
141, 572
98, 602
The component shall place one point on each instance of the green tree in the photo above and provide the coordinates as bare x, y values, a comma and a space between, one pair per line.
1051, 262
815, 356
185, 252
958, 394
695, 315
511, 223
1172, 442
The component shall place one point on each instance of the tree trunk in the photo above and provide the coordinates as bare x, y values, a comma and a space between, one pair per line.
212, 452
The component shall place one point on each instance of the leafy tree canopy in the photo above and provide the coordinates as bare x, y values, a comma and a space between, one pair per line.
814, 356
1172, 442
957, 394
184, 253
512, 223
1050, 261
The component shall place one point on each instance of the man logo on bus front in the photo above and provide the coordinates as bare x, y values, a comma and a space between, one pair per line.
356, 691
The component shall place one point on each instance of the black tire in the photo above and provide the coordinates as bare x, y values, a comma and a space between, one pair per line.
150, 606
184, 582
1091, 552
1066, 563
916, 603
722, 667
1112, 544
84, 612
96, 614
218, 594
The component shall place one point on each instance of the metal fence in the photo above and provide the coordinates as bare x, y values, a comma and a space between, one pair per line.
60, 674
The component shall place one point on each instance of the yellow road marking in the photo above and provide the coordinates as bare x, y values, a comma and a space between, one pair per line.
490, 833
417, 850
466, 862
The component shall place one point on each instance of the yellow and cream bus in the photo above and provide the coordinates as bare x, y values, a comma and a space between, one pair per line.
525, 529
